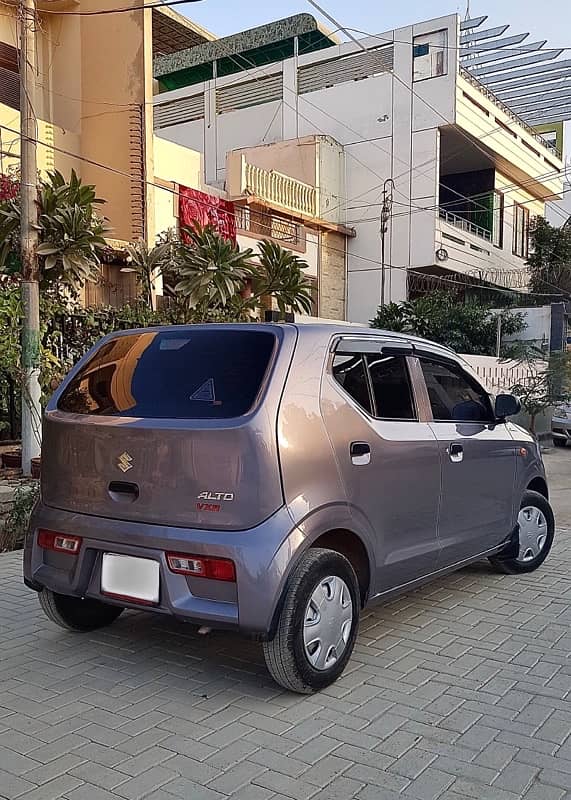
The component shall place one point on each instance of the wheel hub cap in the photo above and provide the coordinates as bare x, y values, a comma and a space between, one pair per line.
327, 622
532, 533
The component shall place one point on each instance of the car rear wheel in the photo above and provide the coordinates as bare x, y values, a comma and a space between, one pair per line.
557, 442
318, 623
76, 613
536, 531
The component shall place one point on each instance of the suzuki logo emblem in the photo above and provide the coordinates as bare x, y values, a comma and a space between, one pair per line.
125, 462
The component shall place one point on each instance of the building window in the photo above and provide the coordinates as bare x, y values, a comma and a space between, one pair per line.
243, 218
9, 76
498, 220
263, 222
521, 231
285, 231
429, 55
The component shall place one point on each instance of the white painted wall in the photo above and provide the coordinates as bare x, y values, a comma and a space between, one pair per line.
389, 126
385, 131
559, 211
538, 326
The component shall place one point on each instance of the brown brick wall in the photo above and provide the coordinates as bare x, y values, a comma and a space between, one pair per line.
332, 276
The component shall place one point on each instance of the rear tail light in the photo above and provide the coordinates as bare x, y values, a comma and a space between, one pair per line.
60, 542
219, 569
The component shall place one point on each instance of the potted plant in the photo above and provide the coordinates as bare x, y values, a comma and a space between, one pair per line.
12, 459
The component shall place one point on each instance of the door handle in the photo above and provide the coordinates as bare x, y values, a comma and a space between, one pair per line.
455, 452
123, 492
360, 453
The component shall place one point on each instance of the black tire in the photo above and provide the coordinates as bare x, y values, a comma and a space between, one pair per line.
514, 566
285, 654
75, 613
557, 442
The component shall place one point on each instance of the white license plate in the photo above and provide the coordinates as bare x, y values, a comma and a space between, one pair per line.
129, 577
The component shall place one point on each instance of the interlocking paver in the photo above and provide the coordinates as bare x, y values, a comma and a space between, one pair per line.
11, 785
459, 690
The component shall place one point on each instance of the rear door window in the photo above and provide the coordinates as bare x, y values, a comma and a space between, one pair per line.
175, 374
391, 387
349, 371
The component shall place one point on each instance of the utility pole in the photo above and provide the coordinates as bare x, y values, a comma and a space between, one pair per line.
386, 210
499, 335
31, 408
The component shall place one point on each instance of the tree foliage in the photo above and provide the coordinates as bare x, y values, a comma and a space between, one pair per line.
280, 275
468, 328
546, 386
550, 258
71, 232
212, 270
209, 278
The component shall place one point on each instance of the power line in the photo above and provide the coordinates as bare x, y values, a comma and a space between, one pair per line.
409, 167
413, 93
386, 152
376, 263
313, 124
436, 207
101, 12
462, 48
400, 80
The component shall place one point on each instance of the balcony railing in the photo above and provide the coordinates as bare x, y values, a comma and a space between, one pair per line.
279, 189
464, 225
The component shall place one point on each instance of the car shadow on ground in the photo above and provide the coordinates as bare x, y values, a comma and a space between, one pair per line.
143, 649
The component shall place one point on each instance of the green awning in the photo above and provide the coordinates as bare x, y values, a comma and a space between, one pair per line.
256, 47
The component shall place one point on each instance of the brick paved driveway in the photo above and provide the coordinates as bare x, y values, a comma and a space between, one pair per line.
458, 690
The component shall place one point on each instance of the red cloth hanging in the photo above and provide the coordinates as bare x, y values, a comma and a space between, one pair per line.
195, 206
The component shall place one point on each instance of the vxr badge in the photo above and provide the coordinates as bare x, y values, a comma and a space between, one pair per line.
125, 462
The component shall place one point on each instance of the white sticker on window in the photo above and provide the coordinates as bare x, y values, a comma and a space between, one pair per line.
206, 392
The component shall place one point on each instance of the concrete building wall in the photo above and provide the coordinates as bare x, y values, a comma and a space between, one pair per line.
386, 132
49, 135
94, 91
116, 64
173, 165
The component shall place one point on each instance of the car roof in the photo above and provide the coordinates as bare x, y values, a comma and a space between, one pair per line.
314, 330
352, 330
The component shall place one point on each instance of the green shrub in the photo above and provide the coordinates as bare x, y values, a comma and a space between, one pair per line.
16, 523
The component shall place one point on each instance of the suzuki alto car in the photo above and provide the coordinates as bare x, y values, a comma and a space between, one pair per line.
274, 480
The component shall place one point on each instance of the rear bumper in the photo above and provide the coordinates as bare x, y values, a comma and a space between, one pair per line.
262, 555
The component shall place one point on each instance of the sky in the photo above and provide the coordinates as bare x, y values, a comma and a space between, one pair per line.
223, 17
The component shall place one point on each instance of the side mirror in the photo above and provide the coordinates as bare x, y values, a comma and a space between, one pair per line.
507, 405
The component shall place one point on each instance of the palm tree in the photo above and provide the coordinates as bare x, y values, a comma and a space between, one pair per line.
149, 264
70, 230
280, 276
212, 271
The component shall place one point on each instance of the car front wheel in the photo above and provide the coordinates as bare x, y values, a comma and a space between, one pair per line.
557, 442
318, 623
536, 525
77, 613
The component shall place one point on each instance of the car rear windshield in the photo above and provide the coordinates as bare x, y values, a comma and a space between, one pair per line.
178, 374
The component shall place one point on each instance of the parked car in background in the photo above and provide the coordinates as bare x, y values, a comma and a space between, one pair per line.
561, 425
275, 479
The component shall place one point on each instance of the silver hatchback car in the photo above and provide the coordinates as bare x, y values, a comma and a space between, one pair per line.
275, 479
561, 425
